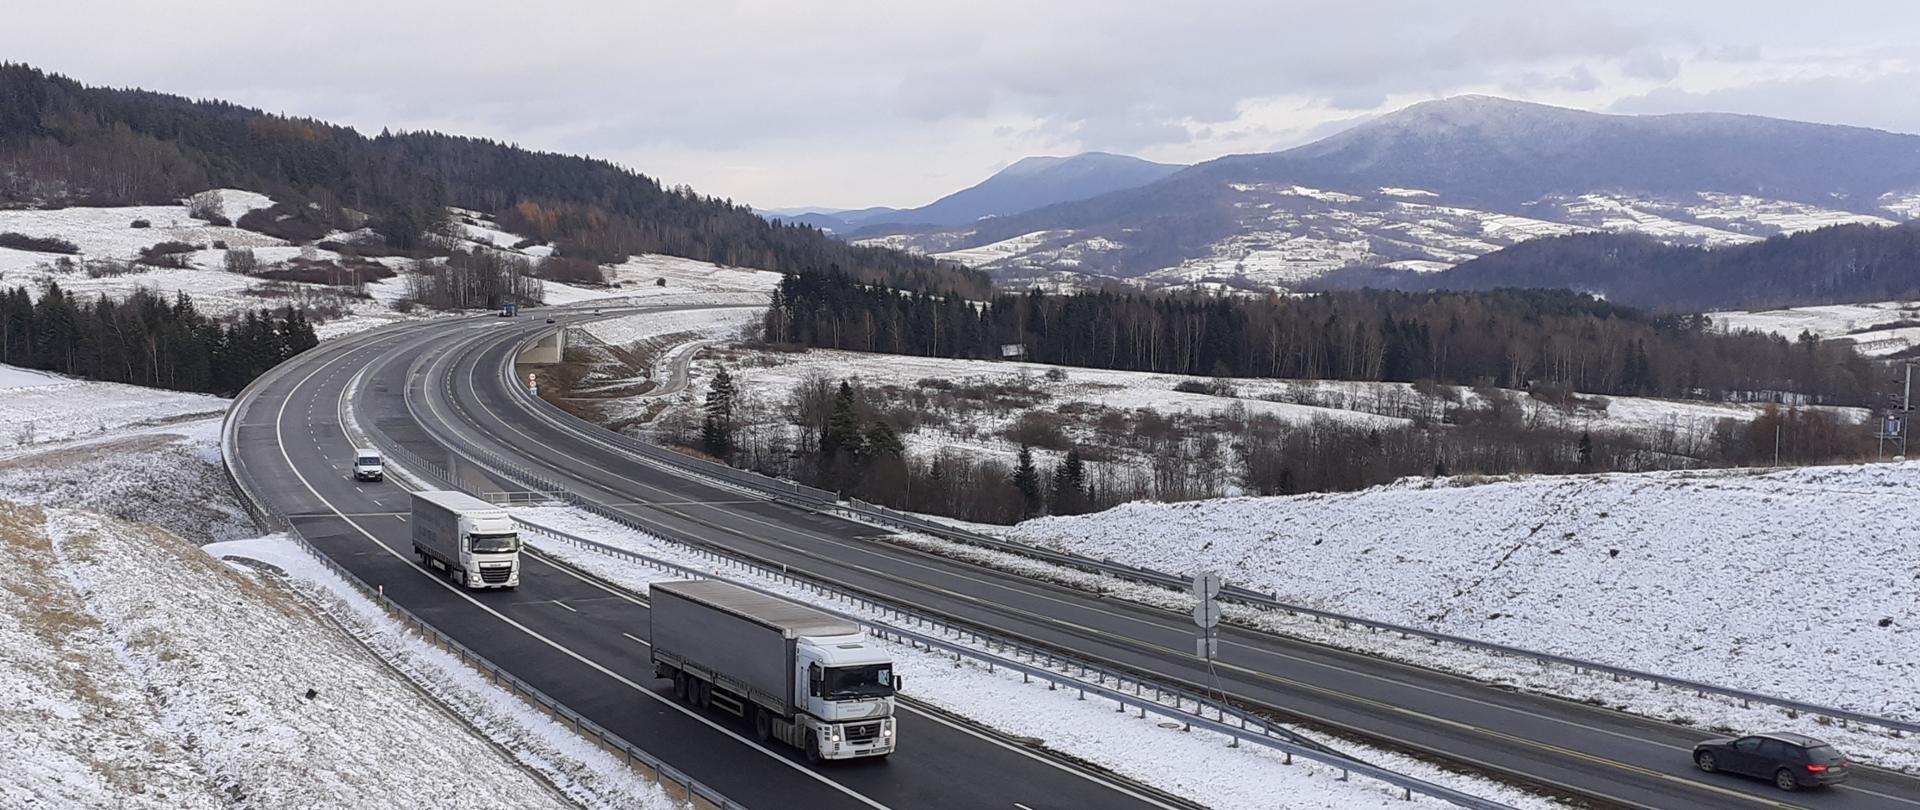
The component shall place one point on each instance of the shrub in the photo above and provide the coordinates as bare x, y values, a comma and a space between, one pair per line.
38, 244
1039, 429
1191, 387
1057, 374
660, 282
140, 223
167, 254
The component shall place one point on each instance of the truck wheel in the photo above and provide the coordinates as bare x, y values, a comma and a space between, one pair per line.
762, 725
680, 686
813, 748
703, 694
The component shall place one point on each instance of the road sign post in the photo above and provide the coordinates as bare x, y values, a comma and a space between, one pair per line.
1206, 615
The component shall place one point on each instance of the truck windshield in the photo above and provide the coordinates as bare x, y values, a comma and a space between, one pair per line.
368, 461
494, 543
873, 680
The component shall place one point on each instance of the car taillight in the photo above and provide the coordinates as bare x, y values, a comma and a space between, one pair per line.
1816, 768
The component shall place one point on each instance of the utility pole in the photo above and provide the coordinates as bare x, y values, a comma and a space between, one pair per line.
1906, 409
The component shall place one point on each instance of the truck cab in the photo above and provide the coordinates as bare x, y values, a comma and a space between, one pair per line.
848, 684
367, 465
475, 542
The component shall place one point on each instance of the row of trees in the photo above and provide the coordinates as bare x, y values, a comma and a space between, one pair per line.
146, 339
1511, 338
842, 436
61, 141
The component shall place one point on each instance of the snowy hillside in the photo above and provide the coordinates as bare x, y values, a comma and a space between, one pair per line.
109, 248
1785, 583
37, 407
1875, 329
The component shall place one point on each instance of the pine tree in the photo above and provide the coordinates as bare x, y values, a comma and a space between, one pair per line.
842, 433
1027, 480
1069, 494
881, 441
716, 433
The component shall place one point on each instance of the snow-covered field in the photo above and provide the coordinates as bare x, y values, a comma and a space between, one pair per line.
1153, 750
702, 324
774, 375
37, 407
1787, 583
1867, 326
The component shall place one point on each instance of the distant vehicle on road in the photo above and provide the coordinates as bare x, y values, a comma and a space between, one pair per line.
367, 465
474, 541
807, 678
508, 310
549, 320
1792, 761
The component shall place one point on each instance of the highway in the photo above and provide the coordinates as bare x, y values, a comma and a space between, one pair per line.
584, 644
446, 385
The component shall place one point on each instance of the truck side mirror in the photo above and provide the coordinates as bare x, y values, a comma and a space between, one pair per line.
896, 683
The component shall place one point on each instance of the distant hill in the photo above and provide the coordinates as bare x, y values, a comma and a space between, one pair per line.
62, 142
1443, 182
1837, 265
1027, 184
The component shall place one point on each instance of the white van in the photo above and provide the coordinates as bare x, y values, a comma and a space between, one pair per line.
366, 465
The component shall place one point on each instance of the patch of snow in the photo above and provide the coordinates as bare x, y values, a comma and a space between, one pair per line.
585, 772
122, 699
1002, 250
46, 411
1902, 205
1745, 580
1393, 191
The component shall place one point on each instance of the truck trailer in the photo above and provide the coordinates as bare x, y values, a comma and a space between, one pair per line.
474, 541
807, 678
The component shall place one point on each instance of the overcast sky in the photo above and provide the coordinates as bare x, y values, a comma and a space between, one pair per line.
895, 103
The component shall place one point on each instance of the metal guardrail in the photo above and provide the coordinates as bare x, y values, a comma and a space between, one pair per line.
1057, 671
830, 501
676, 784
1056, 668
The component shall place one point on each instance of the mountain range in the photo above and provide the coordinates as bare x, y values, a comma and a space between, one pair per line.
1029, 183
1443, 182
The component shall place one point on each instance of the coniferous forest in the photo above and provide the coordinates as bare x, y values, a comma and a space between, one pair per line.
146, 339
1509, 338
62, 142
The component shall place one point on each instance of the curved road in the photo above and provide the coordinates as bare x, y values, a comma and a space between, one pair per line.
568, 636
443, 386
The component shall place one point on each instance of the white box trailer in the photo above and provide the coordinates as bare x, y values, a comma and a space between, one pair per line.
800, 675
475, 542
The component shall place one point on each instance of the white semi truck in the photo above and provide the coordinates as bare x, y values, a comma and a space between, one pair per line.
807, 678
474, 541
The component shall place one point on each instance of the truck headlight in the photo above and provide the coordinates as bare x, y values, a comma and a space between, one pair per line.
886, 730
834, 735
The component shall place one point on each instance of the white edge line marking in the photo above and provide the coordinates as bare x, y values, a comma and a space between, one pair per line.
279, 438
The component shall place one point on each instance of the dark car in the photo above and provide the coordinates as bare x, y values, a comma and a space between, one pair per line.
549, 320
1792, 761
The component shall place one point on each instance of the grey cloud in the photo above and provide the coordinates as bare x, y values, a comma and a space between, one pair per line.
1872, 102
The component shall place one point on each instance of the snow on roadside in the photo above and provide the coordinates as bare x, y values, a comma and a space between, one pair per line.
1152, 750
121, 699
1659, 572
585, 772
